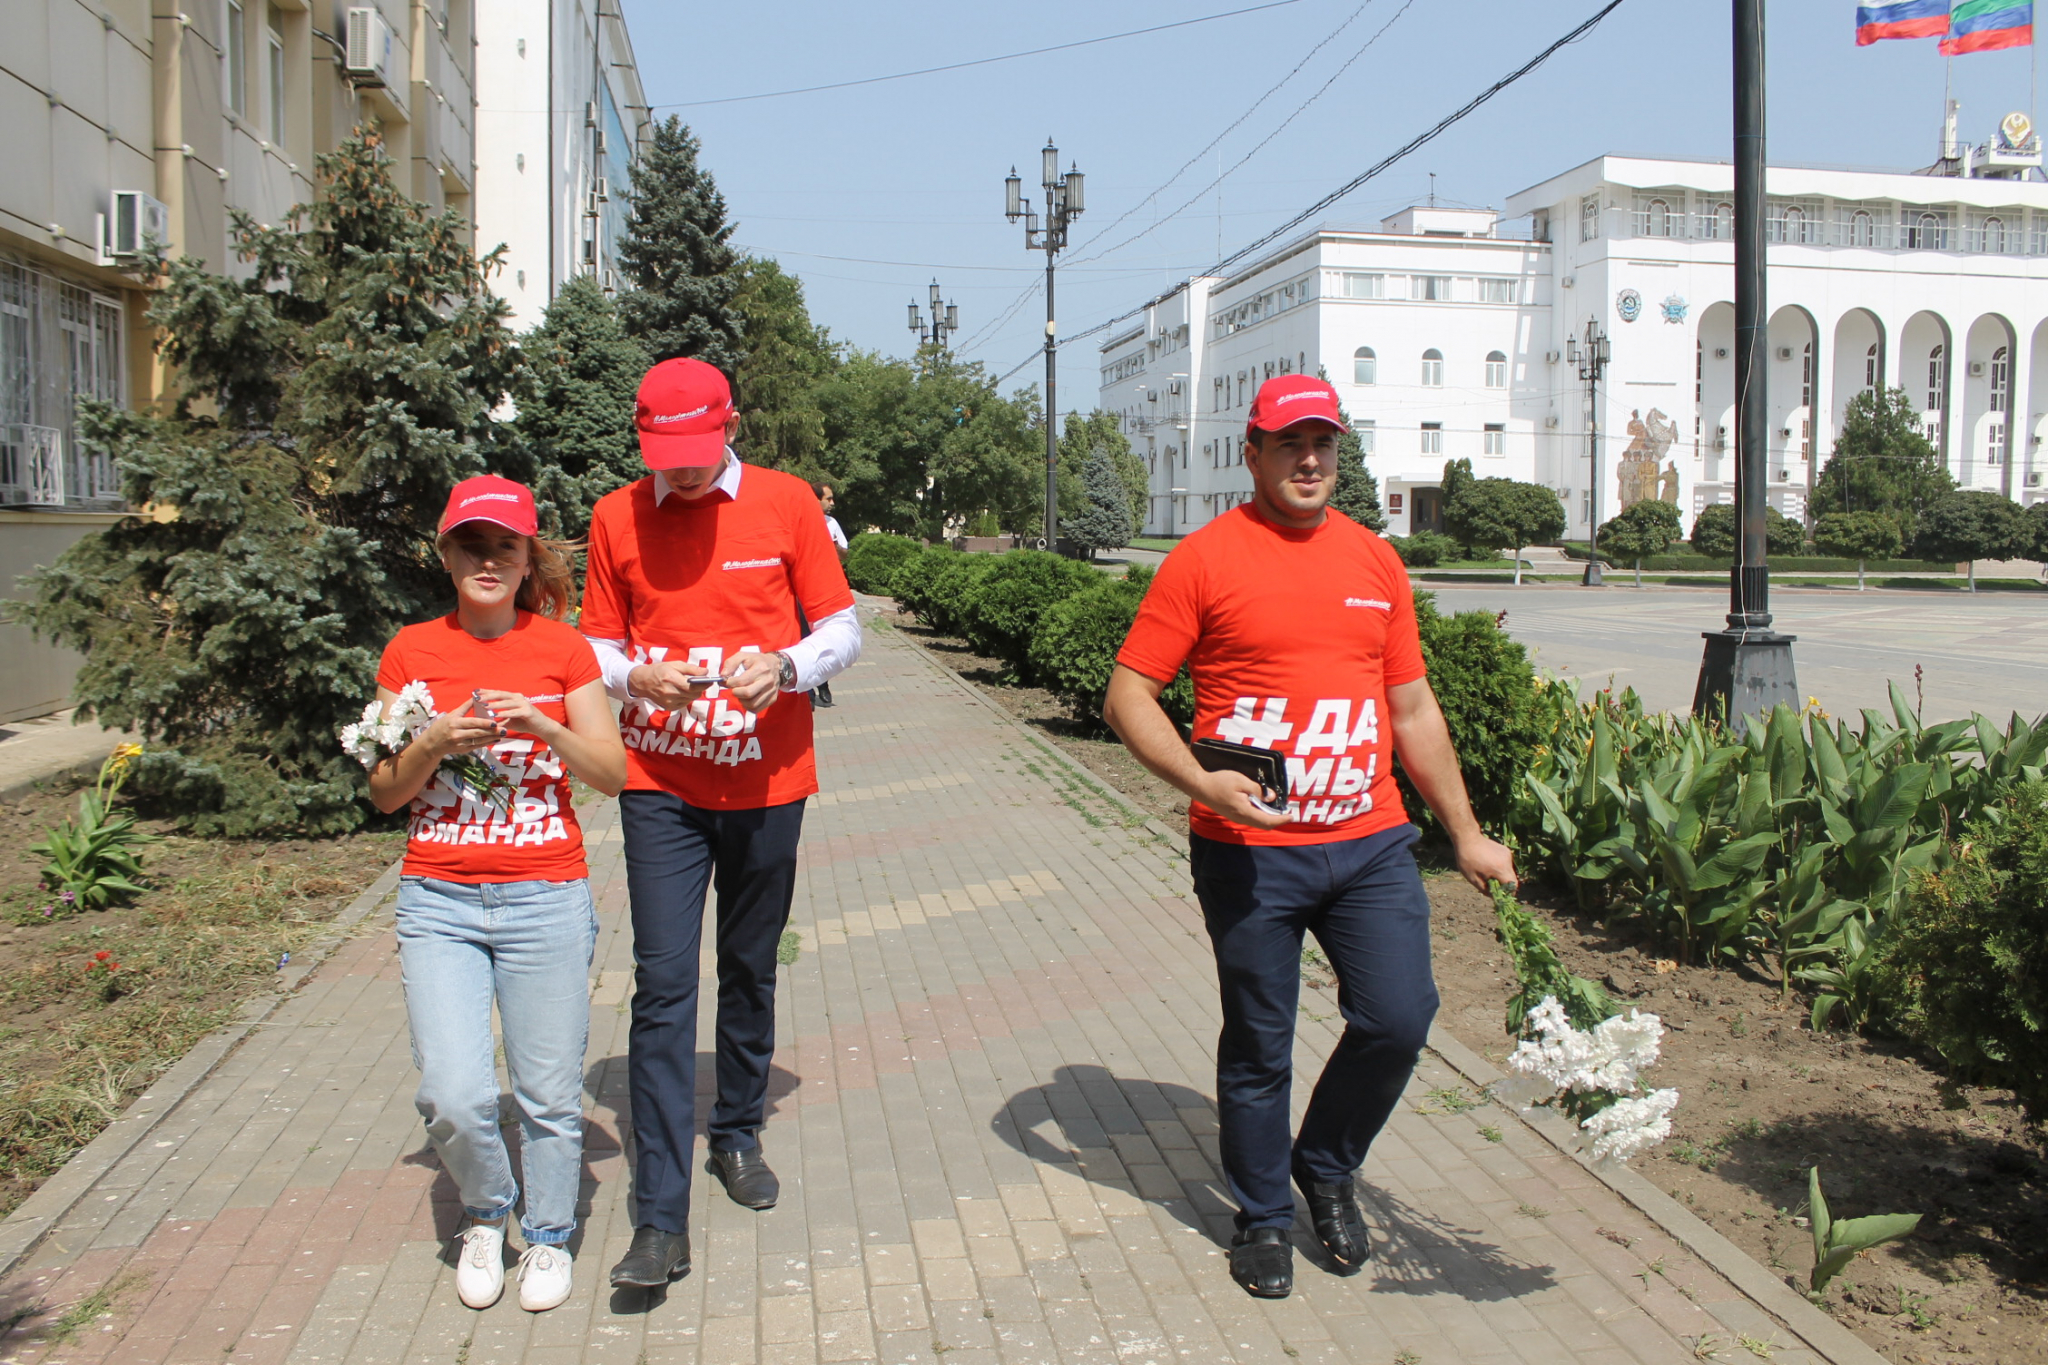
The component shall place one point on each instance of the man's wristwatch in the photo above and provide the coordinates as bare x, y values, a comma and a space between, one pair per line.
785, 676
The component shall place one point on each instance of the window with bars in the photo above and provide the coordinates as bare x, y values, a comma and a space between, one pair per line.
59, 342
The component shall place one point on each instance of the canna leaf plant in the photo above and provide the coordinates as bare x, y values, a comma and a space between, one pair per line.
1836, 1242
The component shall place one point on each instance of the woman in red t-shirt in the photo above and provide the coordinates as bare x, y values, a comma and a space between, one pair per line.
494, 901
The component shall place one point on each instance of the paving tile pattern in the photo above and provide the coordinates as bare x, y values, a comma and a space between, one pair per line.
991, 1111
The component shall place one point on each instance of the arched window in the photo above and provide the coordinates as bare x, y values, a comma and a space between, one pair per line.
2001, 379
1927, 233
1496, 370
1937, 379
1862, 229
1657, 218
1870, 367
1432, 368
1795, 225
1994, 235
1806, 376
1724, 222
1365, 366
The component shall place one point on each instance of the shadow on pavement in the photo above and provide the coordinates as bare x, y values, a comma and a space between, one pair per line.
1136, 1136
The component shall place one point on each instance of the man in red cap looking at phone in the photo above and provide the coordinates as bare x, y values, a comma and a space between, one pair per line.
1299, 627
700, 579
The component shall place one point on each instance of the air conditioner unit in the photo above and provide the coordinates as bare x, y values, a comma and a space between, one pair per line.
2034, 480
1784, 353
602, 191
598, 143
611, 281
367, 56
590, 113
1550, 357
1976, 369
1173, 386
1720, 353
1550, 419
132, 219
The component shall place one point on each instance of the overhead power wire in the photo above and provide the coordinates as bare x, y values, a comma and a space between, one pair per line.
1235, 123
1258, 146
1416, 143
1376, 169
979, 61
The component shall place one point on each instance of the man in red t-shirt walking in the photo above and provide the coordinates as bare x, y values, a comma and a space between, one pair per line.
700, 579
1299, 627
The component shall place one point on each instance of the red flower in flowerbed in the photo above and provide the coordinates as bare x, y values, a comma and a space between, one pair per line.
102, 969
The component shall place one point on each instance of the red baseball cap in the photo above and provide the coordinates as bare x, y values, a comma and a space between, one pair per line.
490, 498
1289, 398
681, 413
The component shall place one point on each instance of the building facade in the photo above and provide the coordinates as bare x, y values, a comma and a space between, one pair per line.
129, 119
1453, 333
561, 118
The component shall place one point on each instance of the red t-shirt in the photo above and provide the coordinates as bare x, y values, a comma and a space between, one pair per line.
701, 581
1293, 638
453, 836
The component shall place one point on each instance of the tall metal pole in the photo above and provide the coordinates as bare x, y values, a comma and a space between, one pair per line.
1748, 667
1052, 449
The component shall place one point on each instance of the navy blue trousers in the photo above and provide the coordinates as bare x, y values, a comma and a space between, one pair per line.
674, 852
1363, 901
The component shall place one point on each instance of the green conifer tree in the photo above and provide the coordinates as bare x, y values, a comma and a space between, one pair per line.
575, 398
1079, 438
1357, 494
322, 408
1105, 523
678, 256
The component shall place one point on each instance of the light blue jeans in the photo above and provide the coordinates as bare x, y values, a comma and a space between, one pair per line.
527, 945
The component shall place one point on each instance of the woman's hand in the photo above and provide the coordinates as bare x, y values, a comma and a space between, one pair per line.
514, 712
458, 732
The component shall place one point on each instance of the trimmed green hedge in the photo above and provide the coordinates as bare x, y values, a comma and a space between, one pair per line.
872, 560
1061, 624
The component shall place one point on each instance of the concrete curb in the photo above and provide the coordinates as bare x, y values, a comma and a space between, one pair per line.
24, 1229
1821, 1333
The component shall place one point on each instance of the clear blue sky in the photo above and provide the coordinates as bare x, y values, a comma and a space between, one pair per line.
911, 171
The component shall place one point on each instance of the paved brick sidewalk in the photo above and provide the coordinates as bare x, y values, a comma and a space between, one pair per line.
991, 1112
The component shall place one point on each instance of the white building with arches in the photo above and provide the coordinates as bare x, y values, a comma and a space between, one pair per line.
1445, 331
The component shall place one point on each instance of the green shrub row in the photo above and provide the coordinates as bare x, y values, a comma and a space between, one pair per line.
1058, 625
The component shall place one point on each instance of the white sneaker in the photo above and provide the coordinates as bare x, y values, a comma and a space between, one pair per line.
480, 1273
543, 1277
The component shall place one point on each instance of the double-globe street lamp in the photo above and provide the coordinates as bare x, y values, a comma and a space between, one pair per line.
945, 320
1592, 359
1063, 203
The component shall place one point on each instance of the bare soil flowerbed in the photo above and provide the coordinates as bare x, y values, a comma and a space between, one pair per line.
207, 933
1764, 1098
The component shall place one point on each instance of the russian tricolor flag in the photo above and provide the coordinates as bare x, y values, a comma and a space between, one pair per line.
1987, 25
1901, 19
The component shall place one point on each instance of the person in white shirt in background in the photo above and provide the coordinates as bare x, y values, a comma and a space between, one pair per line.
821, 695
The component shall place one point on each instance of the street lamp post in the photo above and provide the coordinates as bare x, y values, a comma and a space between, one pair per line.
1064, 201
945, 320
1748, 667
1592, 361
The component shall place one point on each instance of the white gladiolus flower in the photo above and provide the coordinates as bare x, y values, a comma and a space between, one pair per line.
1629, 1126
1563, 1061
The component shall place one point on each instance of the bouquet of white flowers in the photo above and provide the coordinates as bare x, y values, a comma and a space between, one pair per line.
382, 732
1593, 1076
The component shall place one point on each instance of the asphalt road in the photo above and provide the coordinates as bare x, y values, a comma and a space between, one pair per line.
1987, 652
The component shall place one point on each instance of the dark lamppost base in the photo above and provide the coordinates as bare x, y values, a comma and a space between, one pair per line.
1743, 672
1592, 578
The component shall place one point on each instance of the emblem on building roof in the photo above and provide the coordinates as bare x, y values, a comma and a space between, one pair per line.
1629, 304
1674, 308
2014, 130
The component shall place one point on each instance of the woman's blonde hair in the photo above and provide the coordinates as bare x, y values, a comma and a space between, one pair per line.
549, 588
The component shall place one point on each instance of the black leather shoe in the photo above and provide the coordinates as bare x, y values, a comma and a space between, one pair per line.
655, 1258
746, 1178
1333, 1210
1262, 1260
